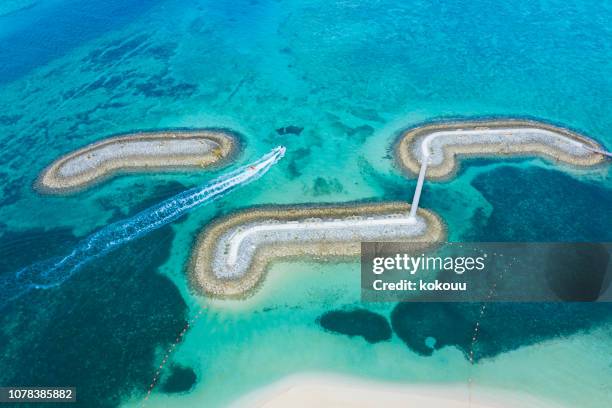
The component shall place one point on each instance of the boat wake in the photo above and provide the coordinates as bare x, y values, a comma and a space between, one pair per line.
53, 272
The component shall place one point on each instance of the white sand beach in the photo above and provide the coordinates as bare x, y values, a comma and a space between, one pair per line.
323, 390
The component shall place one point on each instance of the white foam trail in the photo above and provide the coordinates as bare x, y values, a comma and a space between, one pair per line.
54, 272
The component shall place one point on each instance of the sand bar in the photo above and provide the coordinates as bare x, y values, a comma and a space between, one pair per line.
169, 150
231, 255
443, 142
326, 390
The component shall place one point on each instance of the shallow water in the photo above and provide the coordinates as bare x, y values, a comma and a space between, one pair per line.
352, 75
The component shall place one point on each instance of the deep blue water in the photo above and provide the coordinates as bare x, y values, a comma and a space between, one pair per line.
48, 31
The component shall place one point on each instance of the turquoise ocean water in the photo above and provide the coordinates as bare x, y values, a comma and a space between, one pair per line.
351, 74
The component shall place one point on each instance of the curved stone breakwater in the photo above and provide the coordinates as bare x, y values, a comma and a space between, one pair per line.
442, 143
143, 151
231, 256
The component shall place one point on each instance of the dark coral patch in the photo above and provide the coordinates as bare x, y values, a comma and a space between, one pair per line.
138, 198
163, 84
108, 83
7, 120
536, 208
367, 114
539, 207
323, 186
371, 326
10, 190
290, 130
579, 272
163, 51
502, 327
297, 161
108, 322
180, 379
360, 133
115, 50
22, 248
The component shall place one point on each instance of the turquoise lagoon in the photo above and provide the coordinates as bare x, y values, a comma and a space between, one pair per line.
351, 74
